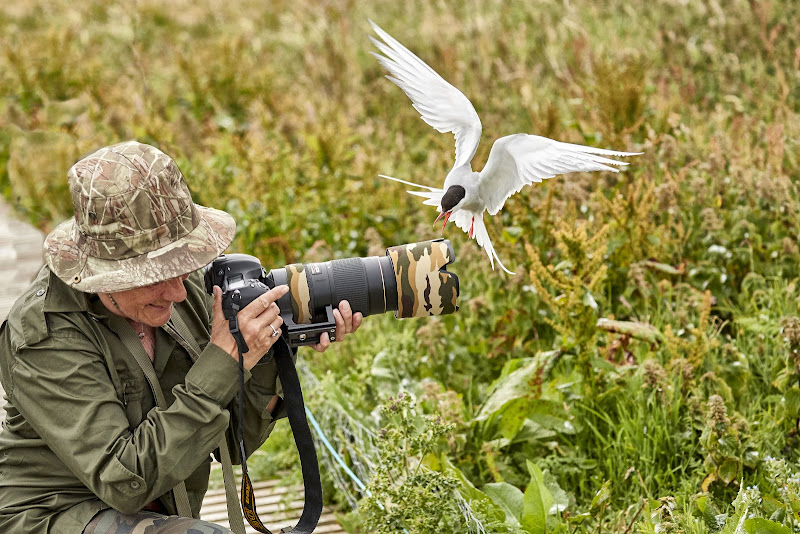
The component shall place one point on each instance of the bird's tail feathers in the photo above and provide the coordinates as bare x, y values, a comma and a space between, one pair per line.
464, 220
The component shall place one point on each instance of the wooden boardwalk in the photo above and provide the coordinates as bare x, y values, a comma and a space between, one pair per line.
277, 506
20, 260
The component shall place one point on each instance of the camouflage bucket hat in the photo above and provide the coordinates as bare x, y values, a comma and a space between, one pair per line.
135, 223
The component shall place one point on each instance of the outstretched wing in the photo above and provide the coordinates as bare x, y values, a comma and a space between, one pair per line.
433, 195
440, 104
464, 220
521, 159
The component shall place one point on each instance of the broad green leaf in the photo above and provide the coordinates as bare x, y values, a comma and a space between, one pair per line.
778, 515
507, 497
511, 417
729, 470
560, 498
514, 386
534, 505
759, 525
533, 431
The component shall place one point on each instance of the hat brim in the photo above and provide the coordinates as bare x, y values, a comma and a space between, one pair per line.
212, 235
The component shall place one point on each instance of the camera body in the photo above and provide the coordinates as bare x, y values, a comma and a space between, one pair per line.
412, 280
243, 279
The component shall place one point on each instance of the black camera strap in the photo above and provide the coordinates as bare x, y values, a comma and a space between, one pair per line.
295, 408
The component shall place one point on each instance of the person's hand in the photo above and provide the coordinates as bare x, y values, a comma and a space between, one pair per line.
347, 322
258, 321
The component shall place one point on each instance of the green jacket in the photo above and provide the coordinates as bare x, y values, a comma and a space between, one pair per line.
82, 430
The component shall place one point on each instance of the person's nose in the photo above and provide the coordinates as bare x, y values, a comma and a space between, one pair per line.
174, 290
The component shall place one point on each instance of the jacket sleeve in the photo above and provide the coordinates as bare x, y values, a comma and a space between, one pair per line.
262, 386
61, 386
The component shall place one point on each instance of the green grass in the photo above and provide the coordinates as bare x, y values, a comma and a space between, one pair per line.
277, 113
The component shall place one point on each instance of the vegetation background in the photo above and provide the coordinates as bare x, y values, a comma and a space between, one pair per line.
639, 373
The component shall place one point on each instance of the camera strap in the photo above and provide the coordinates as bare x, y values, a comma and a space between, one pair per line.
304, 442
295, 408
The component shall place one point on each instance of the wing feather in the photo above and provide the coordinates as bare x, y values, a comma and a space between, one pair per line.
521, 159
440, 104
433, 195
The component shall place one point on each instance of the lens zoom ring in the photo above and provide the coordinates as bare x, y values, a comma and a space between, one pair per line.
350, 281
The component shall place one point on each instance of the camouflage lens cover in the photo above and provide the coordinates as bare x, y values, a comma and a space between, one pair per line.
421, 282
299, 293
424, 287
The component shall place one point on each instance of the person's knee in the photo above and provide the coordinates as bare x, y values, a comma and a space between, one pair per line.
112, 522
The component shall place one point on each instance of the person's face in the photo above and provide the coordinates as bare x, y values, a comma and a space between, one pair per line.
150, 305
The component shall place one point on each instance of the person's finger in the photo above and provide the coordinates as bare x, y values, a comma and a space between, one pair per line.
324, 343
220, 331
217, 306
218, 314
273, 330
347, 315
341, 329
264, 302
358, 318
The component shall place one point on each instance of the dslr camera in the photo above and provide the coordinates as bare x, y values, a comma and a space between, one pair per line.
411, 280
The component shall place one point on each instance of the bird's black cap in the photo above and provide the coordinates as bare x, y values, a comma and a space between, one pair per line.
451, 197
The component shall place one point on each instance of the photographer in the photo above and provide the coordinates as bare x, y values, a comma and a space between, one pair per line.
112, 416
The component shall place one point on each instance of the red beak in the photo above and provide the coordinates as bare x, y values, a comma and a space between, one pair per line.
446, 215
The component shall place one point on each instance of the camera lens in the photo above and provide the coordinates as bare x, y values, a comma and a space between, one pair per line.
410, 280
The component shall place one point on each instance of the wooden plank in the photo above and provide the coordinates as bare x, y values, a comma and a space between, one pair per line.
278, 507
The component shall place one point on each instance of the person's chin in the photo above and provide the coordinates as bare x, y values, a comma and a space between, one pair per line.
159, 314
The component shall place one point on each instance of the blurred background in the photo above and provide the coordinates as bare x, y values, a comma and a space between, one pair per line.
639, 373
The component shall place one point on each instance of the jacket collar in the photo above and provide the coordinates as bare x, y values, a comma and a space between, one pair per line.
62, 298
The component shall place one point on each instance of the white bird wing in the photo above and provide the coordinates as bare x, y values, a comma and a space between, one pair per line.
464, 219
433, 195
521, 159
440, 104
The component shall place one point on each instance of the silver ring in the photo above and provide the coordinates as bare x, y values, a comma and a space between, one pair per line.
275, 333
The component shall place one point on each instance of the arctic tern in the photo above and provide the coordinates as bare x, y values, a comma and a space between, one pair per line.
514, 161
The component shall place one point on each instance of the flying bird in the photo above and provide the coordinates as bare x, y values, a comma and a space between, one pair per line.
514, 161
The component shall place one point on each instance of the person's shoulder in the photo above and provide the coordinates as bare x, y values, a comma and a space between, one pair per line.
195, 285
196, 295
27, 321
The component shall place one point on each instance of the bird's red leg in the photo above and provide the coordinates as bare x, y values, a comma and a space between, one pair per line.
472, 228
